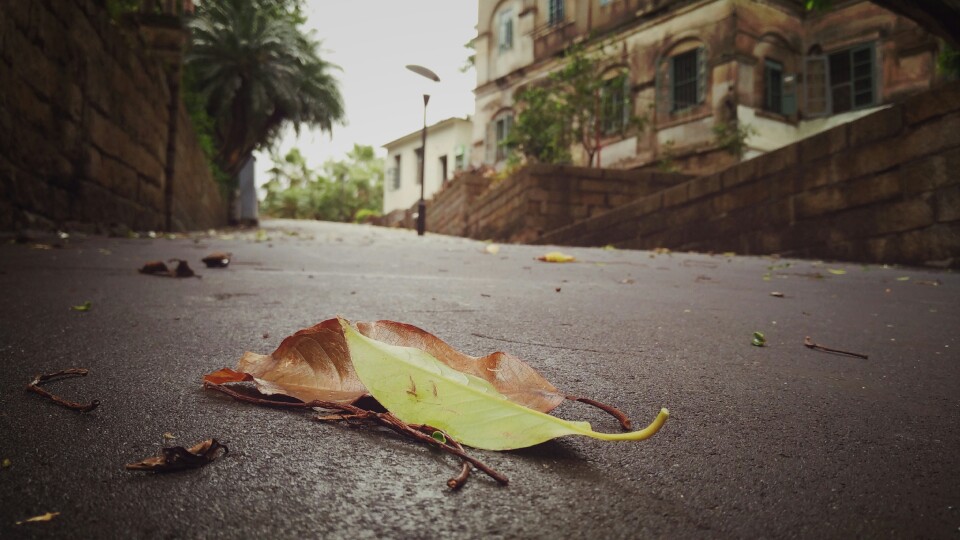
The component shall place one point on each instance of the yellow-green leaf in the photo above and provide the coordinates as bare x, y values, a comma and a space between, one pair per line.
419, 389
43, 517
556, 257
837, 271
83, 307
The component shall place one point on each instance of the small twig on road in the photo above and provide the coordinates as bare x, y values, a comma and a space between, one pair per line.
34, 386
809, 343
385, 419
610, 409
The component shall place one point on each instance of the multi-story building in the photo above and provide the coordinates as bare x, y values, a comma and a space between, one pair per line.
448, 151
767, 67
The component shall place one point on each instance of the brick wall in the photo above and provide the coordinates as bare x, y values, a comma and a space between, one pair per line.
883, 189
83, 126
536, 199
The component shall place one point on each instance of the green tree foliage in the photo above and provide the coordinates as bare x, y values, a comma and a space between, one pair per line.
568, 108
257, 71
348, 190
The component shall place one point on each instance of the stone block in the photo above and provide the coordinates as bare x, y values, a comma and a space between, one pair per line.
871, 189
947, 204
593, 199
821, 173
703, 186
676, 195
934, 103
932, 137
783, 184
742, 196
929, 173
647, 205
868, 159
151, 197
739, 174
903, 216
776, 161
883, 124
823, 144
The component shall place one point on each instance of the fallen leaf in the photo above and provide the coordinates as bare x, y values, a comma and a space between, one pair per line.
178, 458
729, 254
154, 267
169, 436
6, 463
661, 251
903, 278
217, 259
556, 257
609, 247
492, 249
777, 294
627, 281
837, 271
43, 517
183, 269
41, 246
932, 283
558, 289
759, 340
83, 307
419, 389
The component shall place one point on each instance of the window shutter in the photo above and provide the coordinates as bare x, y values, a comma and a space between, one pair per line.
490, 145
627, 108
788, 104
664, 70
701, 74
816, 85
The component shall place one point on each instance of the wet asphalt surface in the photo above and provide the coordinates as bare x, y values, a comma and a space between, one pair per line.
779, 441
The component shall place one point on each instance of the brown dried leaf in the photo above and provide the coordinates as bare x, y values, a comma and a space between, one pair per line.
312, 364
217, 259
178, 458
183, 269
155, 267
511, 376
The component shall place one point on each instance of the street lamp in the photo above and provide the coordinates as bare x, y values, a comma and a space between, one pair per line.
422, 205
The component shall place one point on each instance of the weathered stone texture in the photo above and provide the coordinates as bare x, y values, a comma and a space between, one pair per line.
883, 188
83, 125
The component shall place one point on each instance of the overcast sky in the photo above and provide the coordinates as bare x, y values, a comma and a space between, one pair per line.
372, 41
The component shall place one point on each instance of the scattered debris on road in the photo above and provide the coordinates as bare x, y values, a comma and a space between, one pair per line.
556, 257
759, 340
178, 458
810, 344
217, 259
34, 386
777, 294
43, 517
83, 307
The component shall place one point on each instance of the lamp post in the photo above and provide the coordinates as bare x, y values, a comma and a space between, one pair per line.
422, 205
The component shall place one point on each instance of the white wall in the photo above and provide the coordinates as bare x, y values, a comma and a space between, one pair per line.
443, 139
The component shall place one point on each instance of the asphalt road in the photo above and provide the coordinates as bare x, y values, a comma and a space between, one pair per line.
779, 441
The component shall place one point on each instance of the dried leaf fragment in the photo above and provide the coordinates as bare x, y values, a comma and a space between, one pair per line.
83, 307
6, 463
43, 517
183, 269
492, 249
837, 271
178, 458
556, 257
777, 294
155, 267
217, 259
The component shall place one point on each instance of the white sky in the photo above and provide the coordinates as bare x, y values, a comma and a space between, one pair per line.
372, 41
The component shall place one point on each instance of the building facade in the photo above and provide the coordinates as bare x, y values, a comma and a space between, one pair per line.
448, 151
702, 71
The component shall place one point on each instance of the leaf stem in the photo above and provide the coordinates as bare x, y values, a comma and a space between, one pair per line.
385, 419
610, 409
34, 386
810, 344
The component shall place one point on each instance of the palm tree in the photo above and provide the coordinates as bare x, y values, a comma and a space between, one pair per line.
258, 72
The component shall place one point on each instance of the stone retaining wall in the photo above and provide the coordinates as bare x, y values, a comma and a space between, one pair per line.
84, 111
884, 189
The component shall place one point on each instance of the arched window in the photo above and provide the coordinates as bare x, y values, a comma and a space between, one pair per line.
682, 77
